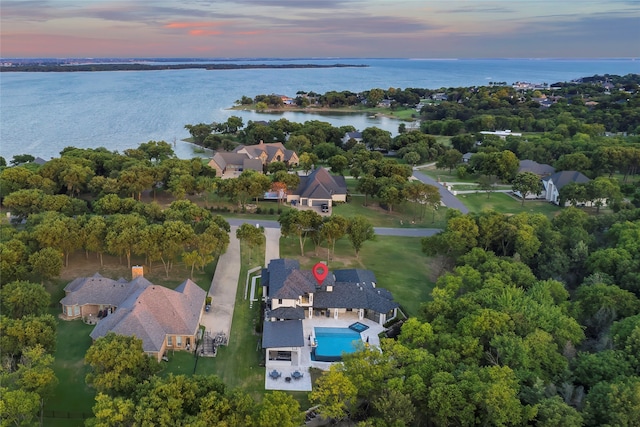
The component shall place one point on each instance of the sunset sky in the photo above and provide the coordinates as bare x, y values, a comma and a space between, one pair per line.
320, 28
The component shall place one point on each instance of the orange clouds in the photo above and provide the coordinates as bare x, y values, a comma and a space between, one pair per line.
194, 24
204, 32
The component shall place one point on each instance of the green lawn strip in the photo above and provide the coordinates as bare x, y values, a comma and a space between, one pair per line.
398, 263
401, 216
72, 397
503, 203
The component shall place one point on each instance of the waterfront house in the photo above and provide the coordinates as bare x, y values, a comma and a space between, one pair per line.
229, 164
319, 188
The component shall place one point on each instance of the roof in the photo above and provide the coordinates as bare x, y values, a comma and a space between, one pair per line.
467, 155
286, 333
354, 296
101, 290
560, 179
535, 167
320, 184
287, 313
225, 158
147, 311
271, 149
351, 288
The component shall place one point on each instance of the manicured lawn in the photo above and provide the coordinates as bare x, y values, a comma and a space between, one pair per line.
401, 216
72, 397
398, 263
503, 203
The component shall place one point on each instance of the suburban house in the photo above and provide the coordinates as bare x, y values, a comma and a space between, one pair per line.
355, 135
293, 297
539, 169
164, 319
466, 157
503, 134
318, 188
251, 157
553, 184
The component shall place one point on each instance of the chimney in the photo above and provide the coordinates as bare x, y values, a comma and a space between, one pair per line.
137, 271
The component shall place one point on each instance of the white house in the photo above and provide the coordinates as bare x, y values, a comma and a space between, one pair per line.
553, 184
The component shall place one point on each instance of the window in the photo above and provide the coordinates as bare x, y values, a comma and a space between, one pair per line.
178, 341
169, 341
280, 301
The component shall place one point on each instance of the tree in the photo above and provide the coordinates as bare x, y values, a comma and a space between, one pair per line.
123, 234
60, 232
18, 407
450, 159
16, 335
526, 183
368, 185
359, 230
603, 190
300, 223
333, 228
94, 233
307, 161
199, 132
335, 394
614, 403
487, 183
338, 163
376, 138
21, 298
46, 263
251, 236
118, 364
35, 374
279, 409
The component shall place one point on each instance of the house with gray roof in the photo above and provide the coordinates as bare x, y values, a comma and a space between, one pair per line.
554, 183
294, 296
539, 169
229, 164
318, 188
164, 319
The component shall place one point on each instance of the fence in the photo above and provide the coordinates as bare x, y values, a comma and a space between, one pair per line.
66, 414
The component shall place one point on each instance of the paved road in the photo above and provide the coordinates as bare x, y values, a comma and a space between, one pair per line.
448, 199
382, 231
223, 289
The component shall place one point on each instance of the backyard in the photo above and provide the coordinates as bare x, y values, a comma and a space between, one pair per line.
503, 203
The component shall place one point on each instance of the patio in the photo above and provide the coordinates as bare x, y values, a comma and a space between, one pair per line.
288, 368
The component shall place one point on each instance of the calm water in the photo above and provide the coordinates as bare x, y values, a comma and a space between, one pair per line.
41, 113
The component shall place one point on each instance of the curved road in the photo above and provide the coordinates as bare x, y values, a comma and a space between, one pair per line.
448, 198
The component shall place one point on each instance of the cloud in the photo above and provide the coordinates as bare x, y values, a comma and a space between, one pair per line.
199, 32
193, 24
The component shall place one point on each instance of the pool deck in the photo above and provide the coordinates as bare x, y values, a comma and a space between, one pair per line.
287, 368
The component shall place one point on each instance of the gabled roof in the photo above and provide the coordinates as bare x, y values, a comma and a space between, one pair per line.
101, 290
226, 158
274, 276
143, 309
155, 312
298, 283
467, 155
540, 169
355, 275
270, 149
320, 184
287, 333
560, 179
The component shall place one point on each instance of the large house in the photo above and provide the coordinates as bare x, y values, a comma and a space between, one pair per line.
293, 296
553, 183
319, 188
164, 319
251, 157
539, 169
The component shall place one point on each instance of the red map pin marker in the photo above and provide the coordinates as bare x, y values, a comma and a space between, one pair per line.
320, 271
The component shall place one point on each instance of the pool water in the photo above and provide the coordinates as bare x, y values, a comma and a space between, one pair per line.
358, 327
332, 342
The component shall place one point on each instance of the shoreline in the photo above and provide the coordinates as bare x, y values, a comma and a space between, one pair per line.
322, 111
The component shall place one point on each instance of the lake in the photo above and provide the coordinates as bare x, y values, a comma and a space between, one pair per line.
41, 113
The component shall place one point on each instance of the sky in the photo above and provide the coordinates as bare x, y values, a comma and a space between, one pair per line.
320, 28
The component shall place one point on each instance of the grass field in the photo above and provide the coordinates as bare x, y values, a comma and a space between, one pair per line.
501, 202
398, 263
443, 175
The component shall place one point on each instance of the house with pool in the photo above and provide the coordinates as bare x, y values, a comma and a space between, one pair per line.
310, 323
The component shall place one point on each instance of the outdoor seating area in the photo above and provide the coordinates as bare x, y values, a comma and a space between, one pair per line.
275, 374
296, 375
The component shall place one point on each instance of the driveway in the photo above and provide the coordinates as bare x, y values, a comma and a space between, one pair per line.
448, 198
223, 289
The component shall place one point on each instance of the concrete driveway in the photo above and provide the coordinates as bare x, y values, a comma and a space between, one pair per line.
223, 289
448, 198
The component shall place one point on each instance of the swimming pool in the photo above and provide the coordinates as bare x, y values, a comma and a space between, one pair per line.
332, 342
